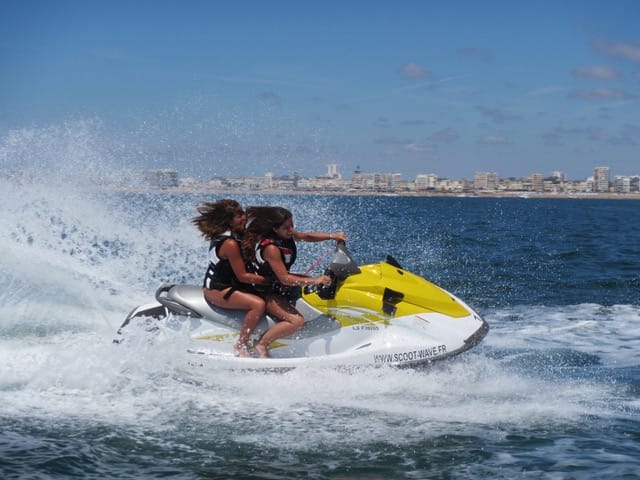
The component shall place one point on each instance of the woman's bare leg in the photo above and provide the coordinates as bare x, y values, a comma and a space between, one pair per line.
238, 300
289, 322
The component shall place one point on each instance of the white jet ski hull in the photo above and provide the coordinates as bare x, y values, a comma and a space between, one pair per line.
356, 340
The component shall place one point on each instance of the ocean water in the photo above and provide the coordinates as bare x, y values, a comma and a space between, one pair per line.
551, 393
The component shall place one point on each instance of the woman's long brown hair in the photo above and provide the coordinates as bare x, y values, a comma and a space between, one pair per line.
215, 217
261, 223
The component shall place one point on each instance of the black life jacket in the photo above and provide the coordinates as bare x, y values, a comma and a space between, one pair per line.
219, 273
288, 252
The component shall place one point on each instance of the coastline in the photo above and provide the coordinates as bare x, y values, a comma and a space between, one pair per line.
480, 194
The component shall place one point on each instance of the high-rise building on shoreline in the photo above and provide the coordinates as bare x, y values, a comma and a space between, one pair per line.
601, 179
537, 182
332, 171
485, 181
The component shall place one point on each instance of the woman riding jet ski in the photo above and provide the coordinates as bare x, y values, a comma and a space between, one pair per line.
378, 314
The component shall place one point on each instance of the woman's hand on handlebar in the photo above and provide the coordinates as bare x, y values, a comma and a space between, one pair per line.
322, 280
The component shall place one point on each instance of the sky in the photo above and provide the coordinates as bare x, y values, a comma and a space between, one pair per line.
215, 88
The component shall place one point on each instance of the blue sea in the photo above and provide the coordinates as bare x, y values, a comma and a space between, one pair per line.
553, 391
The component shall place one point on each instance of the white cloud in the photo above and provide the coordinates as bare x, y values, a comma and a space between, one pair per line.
596, 73
270, 98
475, 52
419, 147
551, 90
496, 114
627, 51
412, 71
601, 94
446, 135
391, 141
494, 140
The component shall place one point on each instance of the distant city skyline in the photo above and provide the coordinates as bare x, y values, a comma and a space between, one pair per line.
334, 171
246, 87
599, 183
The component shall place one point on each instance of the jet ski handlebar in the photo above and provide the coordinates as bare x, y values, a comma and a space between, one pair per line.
340, 267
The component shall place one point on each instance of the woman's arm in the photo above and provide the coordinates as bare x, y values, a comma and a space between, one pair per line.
319, 236
230, 250
271, 255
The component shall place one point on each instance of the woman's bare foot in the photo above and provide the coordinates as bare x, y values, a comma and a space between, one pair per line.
261, 350
240, 350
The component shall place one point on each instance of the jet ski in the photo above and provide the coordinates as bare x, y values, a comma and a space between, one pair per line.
370, 315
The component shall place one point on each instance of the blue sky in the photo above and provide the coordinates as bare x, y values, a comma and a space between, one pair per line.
245, 87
